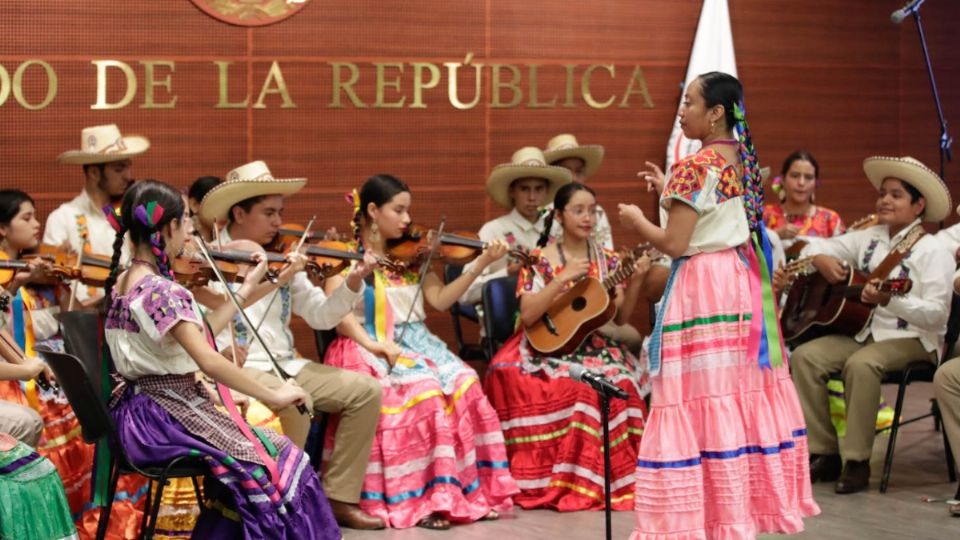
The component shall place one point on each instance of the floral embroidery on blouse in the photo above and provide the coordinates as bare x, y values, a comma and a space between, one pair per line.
868, 254
687, 177
164, 301
545, 270
824, 222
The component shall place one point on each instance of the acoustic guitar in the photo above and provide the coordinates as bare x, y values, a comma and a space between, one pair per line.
815, 307
580, 311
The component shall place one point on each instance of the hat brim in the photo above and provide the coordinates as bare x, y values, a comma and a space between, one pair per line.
591, 154
219, 200
498, 185
134, 144
935, 193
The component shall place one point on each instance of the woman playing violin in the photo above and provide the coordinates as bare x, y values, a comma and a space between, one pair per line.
33, 299
435, 422
534, 395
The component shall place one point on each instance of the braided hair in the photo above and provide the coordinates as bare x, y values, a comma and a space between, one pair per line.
724, 89
147, 207
379, 190
560, 200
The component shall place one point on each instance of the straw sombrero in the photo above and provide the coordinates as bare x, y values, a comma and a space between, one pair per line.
565, 146
245, 182
103, 144
526, 162
918, 175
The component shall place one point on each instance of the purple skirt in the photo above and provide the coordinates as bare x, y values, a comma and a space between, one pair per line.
242, 501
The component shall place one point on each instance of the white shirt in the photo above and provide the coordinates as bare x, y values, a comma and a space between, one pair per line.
66, 224
518, 232
300, 297
921, 313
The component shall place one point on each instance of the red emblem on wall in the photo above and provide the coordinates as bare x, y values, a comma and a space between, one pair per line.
251, 12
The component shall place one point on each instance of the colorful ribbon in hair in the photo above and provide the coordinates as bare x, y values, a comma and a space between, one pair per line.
149, 214
354, 199
112, 214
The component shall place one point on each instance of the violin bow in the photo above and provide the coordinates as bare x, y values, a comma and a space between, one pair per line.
423, 272
281, 374
273, 296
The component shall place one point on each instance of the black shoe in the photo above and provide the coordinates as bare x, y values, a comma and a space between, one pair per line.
854, 478
825, 467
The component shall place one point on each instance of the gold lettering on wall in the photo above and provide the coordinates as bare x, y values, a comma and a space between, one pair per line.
18, 86
274, 84
383, 83
346, 87
150, 84
386, 84
223, 78
419, 86
637, 79
453, 93
131, 81
513, 85
585, 86
534, 102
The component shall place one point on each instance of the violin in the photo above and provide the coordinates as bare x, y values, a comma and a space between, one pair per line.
10, 267
13, 349
454, 248
325, 257
90, 268
235, 261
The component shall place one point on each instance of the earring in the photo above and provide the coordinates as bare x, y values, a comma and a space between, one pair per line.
713, 127
374, 232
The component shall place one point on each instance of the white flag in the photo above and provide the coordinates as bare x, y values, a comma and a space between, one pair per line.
712, 51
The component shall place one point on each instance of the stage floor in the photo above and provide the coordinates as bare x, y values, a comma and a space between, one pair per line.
919, 470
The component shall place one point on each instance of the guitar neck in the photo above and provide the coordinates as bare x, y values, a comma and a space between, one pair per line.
626, 267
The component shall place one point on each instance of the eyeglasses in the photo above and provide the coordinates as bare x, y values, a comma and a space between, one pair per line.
579, 211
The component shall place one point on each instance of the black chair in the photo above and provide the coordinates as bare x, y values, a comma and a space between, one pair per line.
500, 305
921, 371
458, 312
96, 424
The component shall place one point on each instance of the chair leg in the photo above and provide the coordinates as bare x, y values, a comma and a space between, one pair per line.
147, 533
197, 491
951, 464
894, 429
111, 491
147, 504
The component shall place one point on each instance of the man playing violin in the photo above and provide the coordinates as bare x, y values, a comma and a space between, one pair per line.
80, 224
902, 329
523, 187
251, 200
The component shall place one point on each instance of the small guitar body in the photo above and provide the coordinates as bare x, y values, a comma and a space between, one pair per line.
815, 307
571, 318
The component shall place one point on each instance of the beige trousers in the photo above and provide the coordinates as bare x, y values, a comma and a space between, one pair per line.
946, 386
22, 423
862, 366
356, 398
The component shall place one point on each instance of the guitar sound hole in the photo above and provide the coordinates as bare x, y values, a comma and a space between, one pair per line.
579, 303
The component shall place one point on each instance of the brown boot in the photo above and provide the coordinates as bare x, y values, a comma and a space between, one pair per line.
350, 516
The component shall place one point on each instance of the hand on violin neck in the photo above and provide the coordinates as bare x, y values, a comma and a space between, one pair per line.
493, 251
296, 262
361, 270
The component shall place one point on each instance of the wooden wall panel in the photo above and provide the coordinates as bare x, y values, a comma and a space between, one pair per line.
832, 76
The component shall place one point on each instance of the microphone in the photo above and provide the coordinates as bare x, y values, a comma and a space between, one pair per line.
601, 385
910, 8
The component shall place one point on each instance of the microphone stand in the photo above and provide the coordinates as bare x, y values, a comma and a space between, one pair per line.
945, 139
607, 471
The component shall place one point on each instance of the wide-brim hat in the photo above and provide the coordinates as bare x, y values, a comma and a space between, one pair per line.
245, 182
565, 146
104, 144
527, 162
918, 175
